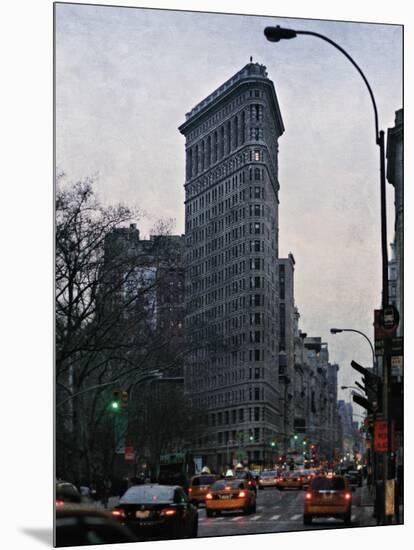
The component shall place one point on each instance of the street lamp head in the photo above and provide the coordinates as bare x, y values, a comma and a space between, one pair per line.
275, 34
335, 330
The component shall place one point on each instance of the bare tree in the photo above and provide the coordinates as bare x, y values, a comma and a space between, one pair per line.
114, 322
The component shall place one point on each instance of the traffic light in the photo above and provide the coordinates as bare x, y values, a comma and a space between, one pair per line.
295, 436
372, 387
124, 399
115, 404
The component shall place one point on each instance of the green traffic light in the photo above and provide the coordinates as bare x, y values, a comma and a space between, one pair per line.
295, 436
304, 443
115, 405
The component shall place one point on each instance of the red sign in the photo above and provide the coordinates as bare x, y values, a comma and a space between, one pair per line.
381, 437
129, 454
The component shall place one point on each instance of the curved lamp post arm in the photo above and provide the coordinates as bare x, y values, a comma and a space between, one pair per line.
91, 388
275, 34
366, 338
357, 67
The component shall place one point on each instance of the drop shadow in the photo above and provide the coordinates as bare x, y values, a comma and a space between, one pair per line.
43, 535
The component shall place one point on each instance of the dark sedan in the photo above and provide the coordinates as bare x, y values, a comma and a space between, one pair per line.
157, 512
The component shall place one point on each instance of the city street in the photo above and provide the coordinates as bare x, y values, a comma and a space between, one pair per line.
278, 511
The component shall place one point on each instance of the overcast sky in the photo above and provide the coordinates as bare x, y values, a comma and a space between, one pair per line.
125, 79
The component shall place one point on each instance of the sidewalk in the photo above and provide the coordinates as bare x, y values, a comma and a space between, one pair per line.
367, 495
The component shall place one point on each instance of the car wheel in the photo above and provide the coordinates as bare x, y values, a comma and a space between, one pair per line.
261, 487
347, 518
209, 513
307, 519
281, 488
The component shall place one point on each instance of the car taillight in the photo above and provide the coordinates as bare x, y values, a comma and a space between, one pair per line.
190, 490
168, 512
308, 496
242, 494
118, 513
209, 496
347, 496
59, 503
249, 483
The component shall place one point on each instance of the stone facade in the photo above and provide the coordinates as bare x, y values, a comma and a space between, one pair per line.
231, 229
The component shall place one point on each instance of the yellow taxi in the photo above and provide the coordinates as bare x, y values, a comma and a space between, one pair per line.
328, 497
290, 480
199, 487
229, 495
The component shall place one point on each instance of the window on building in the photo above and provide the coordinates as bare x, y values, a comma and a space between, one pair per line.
256, 414
257, 394
236, 132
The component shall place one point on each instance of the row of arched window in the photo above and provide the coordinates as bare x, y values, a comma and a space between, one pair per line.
223, 141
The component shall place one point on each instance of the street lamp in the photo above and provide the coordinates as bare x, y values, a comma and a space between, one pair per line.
275, 34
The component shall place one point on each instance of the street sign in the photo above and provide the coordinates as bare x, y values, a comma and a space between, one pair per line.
397, 366
381, 437
385, 322
389, 318
129, 454
397, 346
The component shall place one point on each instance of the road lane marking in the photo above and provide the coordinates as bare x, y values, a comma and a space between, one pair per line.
295, 517
237, 518
275, 517
255, 518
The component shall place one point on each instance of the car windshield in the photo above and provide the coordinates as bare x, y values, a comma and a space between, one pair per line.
241, 474
203, 480
268, 474
222, 484
327, 484
145, 494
